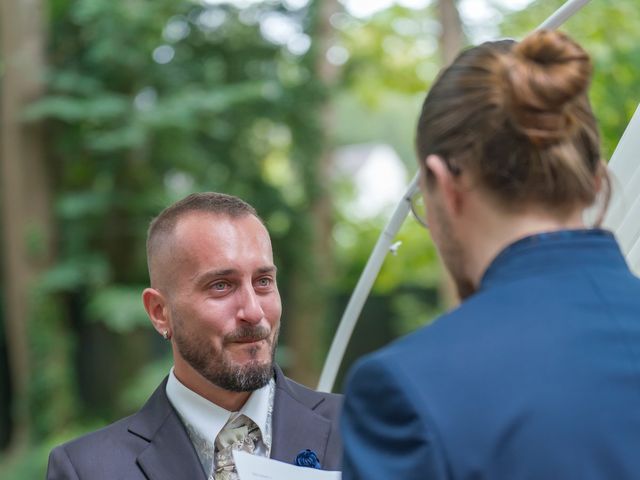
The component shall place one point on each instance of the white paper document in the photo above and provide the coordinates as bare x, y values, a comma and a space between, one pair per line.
252, 467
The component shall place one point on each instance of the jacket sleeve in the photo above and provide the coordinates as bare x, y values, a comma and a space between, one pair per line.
60, 466
385, 430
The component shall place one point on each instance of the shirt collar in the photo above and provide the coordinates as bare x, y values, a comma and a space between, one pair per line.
557, 251
208, 419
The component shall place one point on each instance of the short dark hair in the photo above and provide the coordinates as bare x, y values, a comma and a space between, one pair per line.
205, 202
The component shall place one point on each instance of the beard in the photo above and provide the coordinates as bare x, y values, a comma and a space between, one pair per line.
452, 254
216, 366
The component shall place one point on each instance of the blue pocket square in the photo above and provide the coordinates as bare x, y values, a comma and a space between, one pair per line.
308, 458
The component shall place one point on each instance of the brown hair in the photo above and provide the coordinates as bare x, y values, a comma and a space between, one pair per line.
517, 117
206, 202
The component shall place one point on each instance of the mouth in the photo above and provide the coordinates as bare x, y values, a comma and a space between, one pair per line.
249, 341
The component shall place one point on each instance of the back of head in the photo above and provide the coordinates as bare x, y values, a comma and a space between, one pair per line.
165, 223
516, 117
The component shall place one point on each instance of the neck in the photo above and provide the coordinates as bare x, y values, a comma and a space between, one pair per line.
492, 233
231, 401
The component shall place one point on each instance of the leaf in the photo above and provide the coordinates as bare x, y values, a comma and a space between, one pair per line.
68, 81
78, 205
73, 109
76, 272
184, 108
119, 307
129, 136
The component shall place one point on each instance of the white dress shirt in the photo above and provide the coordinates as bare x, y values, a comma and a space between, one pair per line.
204, 420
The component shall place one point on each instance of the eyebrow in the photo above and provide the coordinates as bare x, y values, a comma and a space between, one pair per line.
269, 269
230, 271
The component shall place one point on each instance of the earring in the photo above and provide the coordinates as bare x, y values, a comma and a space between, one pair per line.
165, 334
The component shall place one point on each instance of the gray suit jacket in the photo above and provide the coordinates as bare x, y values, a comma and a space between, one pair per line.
153, 443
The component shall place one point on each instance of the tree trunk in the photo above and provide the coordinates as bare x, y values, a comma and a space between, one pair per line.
310, 296
25, 200
451, 41
451, 33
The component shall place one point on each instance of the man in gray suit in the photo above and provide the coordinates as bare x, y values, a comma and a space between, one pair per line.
214, 297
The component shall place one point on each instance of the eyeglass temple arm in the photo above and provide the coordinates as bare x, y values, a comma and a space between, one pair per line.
370, 272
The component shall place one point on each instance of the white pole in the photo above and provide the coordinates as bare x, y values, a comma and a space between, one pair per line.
624, 170
370, 272
563, 14
633, 258
363, 287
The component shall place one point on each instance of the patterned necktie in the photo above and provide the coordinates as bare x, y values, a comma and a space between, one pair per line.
240, 433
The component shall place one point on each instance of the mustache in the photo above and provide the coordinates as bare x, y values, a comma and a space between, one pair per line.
247, 333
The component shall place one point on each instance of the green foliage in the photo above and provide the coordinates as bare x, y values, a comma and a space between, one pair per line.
411, 312
393, 58
396, 50
147, 102
28, 464
146, 381
391, 119
71, 109
228, 110
53, 395
119, 307
75, 272
31, 463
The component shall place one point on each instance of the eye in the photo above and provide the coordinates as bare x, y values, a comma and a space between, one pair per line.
264, 282
219, 286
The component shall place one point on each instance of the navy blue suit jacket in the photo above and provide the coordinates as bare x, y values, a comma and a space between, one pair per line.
536, 376
154, 445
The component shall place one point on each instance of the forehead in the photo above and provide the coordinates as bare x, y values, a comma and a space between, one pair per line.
205, 240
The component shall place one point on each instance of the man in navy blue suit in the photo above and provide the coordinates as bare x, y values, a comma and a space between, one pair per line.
536, 375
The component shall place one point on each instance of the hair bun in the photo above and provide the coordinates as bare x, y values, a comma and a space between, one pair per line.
546, 74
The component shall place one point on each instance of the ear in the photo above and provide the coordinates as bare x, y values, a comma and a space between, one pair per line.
442, 180
155, 305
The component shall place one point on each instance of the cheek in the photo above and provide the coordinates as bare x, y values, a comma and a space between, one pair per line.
435, 228
273, 309
440, 233
207, 319
433, 220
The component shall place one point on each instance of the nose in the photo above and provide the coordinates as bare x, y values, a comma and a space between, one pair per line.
249, 308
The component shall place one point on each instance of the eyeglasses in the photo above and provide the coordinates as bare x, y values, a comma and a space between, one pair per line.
418, 209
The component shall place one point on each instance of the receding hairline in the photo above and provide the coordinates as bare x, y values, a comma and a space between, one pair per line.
164, 225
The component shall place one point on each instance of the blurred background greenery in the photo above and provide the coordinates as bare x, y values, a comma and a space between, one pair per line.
112, 109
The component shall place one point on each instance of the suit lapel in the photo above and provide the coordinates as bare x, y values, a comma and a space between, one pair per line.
296, 426
170, 453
